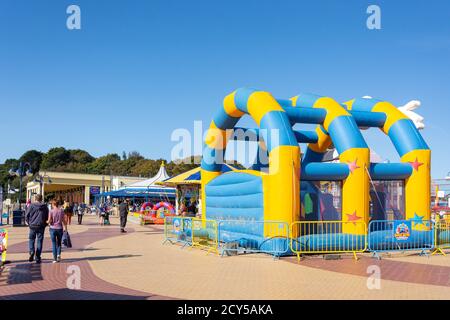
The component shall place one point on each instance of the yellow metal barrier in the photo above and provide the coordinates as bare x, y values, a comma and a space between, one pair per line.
205, 234
317, 237
441, 236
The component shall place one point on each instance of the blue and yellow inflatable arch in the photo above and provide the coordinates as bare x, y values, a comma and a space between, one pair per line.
274, 195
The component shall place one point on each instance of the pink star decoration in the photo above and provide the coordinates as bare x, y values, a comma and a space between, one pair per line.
353, 165
416, 164
353, 217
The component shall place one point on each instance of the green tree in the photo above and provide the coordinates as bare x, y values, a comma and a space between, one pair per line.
34, 158
55, 159
81, 156
146, 167
134, 155
104, 165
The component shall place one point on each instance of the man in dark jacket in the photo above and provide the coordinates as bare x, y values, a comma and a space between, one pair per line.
36, 217
123, 212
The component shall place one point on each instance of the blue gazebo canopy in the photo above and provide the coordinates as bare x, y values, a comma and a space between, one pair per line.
140, 193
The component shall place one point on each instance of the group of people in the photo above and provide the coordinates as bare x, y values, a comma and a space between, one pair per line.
188, 210
38, 217
57, 216
71, 209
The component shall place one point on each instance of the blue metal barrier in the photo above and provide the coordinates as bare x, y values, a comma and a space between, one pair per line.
178, 230
400, 235
271, 237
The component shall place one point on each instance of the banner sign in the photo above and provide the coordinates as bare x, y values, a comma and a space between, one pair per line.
402, 230
94, 190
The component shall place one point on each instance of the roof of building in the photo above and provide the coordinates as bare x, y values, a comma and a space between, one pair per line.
160, 176
192, 176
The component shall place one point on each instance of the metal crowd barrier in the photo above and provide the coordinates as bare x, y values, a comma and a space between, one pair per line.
3, 245
247, 236
178, 230
205, 234
322, 237
441, 236
400, 235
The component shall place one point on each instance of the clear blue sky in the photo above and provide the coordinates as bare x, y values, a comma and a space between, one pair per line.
160, 65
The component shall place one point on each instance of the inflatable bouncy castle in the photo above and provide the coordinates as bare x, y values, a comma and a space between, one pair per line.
276, 190
155, 214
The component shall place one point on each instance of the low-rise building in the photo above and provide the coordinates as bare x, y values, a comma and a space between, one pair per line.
76, 187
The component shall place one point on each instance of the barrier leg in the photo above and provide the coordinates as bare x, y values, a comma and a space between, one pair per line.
376, 255
423, 253
298, 257
355, 256
184, 245
438, 251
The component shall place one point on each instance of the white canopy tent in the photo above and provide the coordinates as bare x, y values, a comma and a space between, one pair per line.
160, 176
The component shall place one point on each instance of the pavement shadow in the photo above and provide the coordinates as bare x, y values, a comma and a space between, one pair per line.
23, 273
100, 258
69, 294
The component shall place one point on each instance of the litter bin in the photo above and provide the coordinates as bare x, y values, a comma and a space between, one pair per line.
18, 218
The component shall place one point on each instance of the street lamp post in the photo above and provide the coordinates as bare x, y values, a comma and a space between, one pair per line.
41, 180
24, 170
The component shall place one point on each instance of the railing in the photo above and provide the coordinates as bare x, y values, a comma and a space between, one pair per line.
247, 236
441, 236
315, 237
178, 230
205, 234
400, 235
232, 237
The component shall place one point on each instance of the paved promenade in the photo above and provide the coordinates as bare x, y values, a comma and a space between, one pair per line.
137, 265
23, 280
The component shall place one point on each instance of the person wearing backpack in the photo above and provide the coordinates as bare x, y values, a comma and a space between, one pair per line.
36, 217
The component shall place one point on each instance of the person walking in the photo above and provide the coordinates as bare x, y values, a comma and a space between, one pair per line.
80, 213
75, 208
68, 211
57, 224
123, 212
36, 217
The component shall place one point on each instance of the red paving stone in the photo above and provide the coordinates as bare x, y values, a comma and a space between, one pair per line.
390, 270
22, 280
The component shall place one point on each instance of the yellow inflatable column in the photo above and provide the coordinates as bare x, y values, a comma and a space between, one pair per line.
355, 191
282, 185
417, 188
